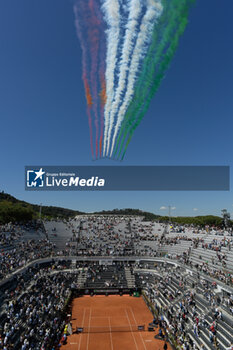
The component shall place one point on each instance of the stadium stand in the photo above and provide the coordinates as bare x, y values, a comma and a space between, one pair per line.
183, 273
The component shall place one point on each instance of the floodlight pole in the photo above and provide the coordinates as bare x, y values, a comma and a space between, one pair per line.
169, 213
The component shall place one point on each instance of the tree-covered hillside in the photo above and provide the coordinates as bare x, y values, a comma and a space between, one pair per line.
14, 210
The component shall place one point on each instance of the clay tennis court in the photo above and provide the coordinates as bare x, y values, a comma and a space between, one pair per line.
104, 317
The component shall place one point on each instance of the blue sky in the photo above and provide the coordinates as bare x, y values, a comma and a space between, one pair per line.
43, 118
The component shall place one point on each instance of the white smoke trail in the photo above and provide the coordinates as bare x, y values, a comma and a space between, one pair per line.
111, 9
153, 12
135, 10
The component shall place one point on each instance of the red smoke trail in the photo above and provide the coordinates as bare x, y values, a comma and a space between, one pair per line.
89, 105
78, 18
103, 98
88, 93
94, 25
102, 93
90, 29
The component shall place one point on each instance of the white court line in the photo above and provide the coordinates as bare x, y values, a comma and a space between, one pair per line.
131, 329
110, 332
139, 332
89, 324
80, 340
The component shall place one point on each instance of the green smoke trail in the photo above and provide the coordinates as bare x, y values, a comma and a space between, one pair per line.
154, 55
165, 41
131, 113
157, 82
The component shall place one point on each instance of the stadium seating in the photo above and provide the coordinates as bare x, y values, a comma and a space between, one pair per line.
185, 275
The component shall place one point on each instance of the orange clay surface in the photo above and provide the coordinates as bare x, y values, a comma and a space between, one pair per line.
112, 311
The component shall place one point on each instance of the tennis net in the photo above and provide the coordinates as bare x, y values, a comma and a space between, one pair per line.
109, 329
